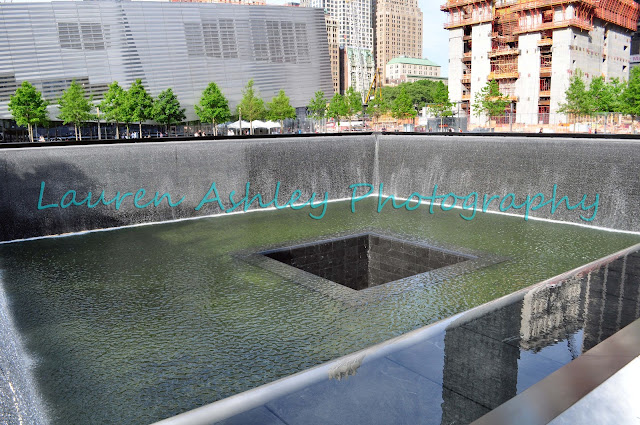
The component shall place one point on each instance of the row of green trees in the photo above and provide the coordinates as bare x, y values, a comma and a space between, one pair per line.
599, 97
135, 105
400, 101
613, 96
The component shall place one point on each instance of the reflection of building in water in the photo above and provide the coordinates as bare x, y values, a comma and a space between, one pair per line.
478, 365
550, 314
613, 299
481, 354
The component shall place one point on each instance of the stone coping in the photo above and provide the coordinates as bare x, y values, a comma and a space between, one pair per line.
474, 261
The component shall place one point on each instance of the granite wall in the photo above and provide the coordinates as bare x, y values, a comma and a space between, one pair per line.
522, 166
34, 181
180, 169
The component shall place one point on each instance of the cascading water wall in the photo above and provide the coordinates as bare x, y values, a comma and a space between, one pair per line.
19, 400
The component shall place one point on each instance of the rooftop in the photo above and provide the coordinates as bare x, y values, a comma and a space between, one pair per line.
412, 61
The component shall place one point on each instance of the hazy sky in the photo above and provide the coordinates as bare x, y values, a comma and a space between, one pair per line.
435, 43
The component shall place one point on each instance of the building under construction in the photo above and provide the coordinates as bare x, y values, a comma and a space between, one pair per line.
532, 48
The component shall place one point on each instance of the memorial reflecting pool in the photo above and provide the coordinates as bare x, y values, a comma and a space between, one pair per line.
139, 324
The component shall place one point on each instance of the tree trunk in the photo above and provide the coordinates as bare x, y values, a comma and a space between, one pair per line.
251, 127
215, 129
80, 132
75, 131
117, 130
140, 128
128, 134
30, 131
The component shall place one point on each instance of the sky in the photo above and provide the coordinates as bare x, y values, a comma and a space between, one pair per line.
435, 42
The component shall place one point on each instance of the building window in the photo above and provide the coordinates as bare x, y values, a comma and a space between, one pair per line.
86, 35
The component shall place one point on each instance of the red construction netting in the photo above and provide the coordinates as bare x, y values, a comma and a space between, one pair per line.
620, 12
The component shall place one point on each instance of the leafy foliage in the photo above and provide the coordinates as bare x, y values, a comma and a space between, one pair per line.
251, 106
75, 108
139, 103
337, 108
112, 106
318, 105
616, 88
598, 95
402, 107
353, 100
280, 108
577, 97
631, 94
377, 107
28, 108
166, 109
421, 92
489, 101
213, 106
441, 106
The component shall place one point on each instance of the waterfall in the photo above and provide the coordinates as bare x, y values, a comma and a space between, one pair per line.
20, 403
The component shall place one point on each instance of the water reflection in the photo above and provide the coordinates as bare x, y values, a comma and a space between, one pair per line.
491, 358
462, 368
136, 325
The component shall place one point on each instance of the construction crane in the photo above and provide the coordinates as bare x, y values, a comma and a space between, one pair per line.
375, 88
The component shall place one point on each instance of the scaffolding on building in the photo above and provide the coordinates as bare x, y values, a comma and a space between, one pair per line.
512, 18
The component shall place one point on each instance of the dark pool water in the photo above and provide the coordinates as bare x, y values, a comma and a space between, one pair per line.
135, 325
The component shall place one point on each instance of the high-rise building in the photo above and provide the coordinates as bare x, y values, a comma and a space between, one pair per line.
533, 47
397, 31
334, 50
355, 35
184, 46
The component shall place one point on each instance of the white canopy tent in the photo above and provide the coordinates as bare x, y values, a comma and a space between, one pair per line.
259, 124
245, 124
272, 124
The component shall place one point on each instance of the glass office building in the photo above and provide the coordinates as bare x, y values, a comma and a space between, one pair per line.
179, 45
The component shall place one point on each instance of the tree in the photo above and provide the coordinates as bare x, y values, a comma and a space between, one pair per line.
441, 106
389, 93
598, 95
631, 95
337, 108
112, 105
353, 102
75, 108
402, 108
279, 108
166, 109
577, 97
251, 105
28, 108
213, 107
318, 106
377, 107
139, 104
489, 101
422, 91
615, 87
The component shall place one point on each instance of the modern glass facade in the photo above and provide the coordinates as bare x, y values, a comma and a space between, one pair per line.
179, 45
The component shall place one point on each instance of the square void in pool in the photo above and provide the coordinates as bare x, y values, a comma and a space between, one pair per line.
364, 261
